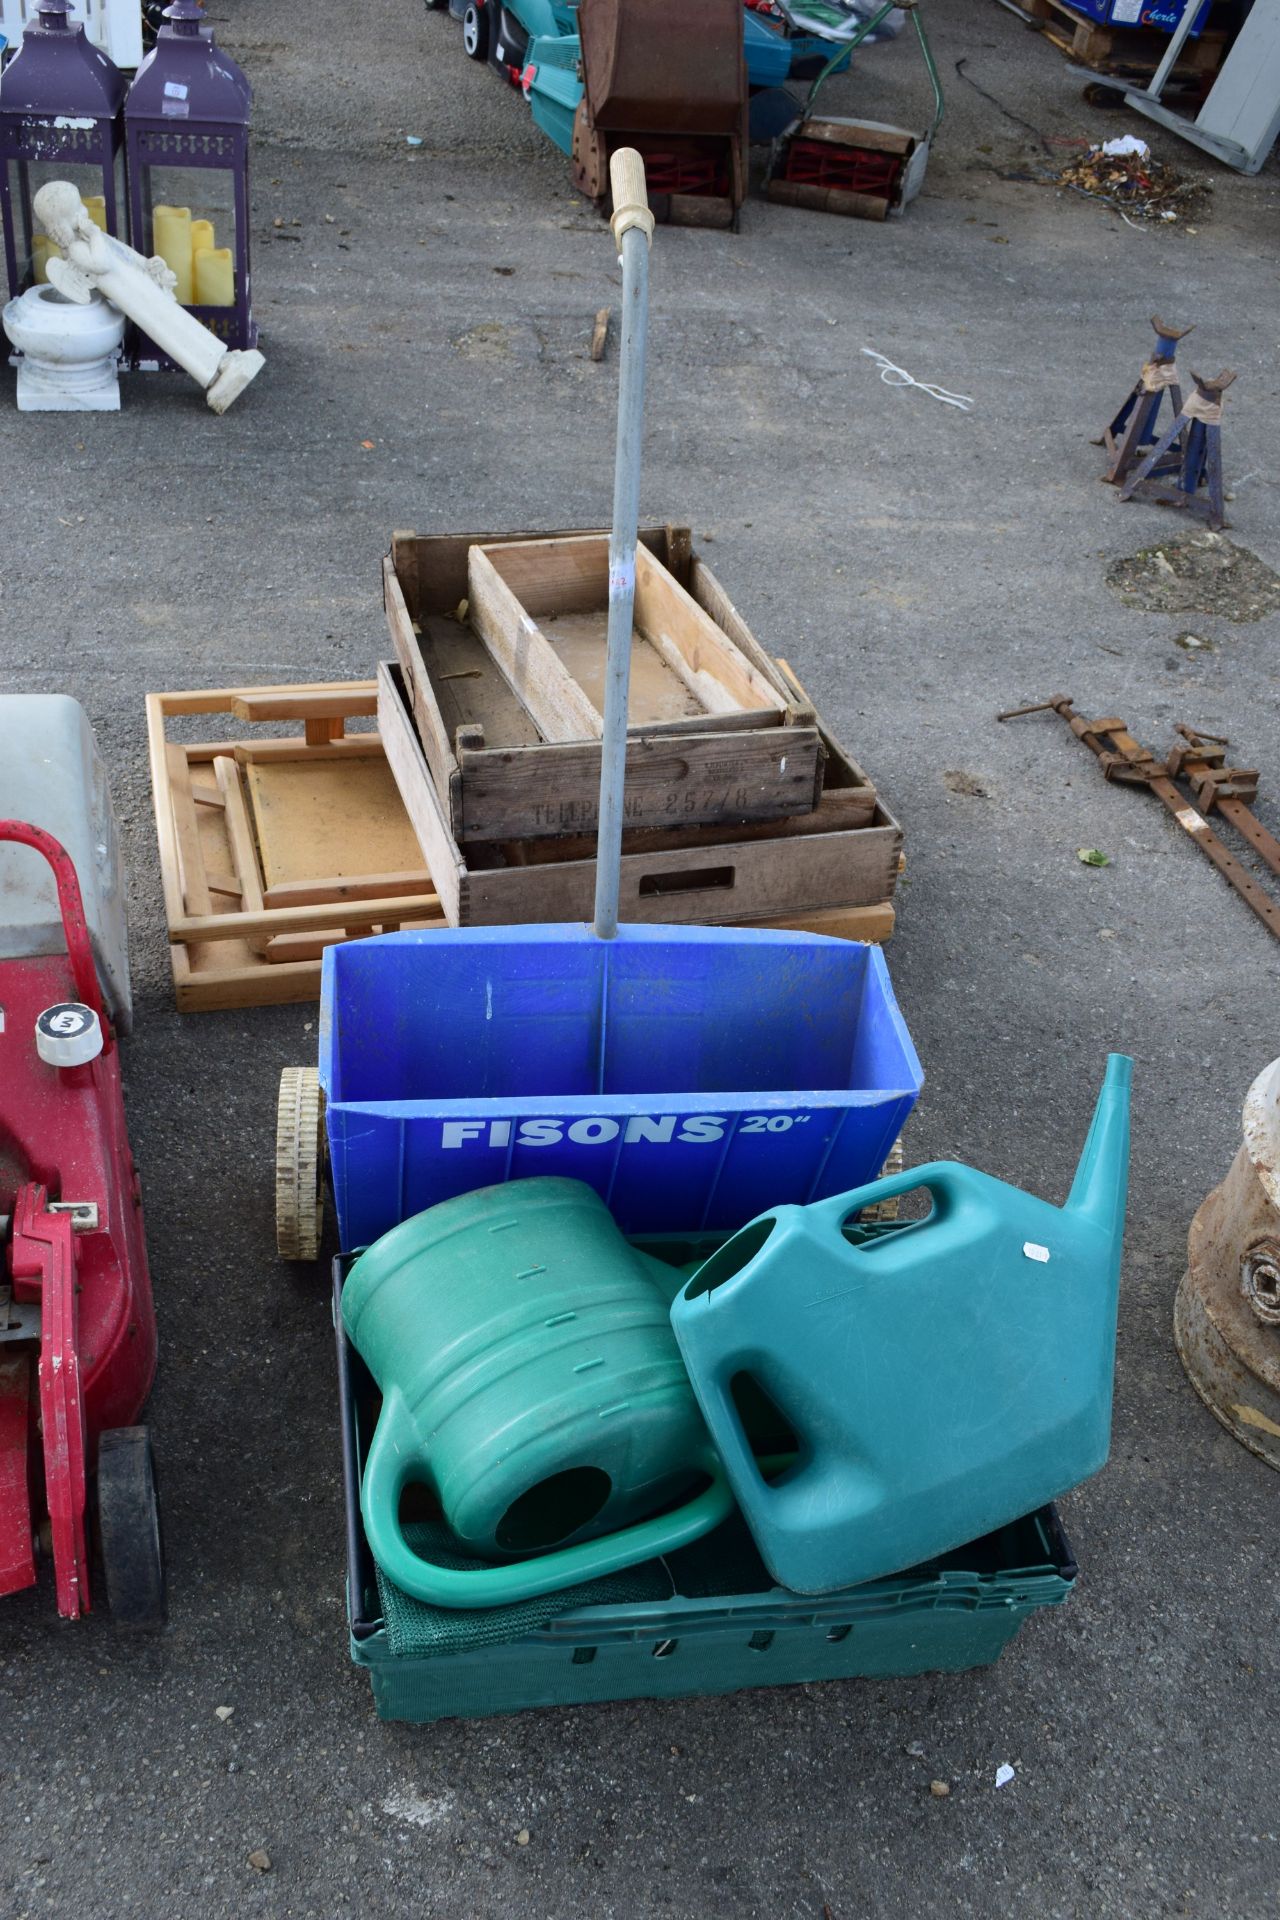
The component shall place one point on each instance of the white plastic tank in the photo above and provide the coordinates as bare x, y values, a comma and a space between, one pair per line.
52, 776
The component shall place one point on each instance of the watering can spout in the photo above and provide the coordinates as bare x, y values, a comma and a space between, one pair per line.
1101, 1185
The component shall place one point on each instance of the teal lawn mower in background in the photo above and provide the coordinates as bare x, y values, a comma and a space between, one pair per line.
500, 31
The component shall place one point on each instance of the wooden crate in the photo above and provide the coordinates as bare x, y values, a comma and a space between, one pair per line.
508, 705
542, 609
273, 848
830, 861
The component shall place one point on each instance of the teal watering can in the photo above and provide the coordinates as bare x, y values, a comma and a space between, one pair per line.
531, 1381
942, 1377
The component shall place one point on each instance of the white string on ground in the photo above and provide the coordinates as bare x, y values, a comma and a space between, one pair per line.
899, 377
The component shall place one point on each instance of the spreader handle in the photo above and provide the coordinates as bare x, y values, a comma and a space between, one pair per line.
633, 235
630, 195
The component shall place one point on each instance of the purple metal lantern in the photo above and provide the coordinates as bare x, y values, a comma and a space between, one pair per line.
60, 119
187, 130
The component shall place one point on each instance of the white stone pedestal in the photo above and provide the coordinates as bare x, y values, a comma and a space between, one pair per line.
69, 352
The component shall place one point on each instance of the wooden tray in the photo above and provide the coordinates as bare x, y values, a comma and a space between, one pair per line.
508, 706
828, 861
273, 848
542, 608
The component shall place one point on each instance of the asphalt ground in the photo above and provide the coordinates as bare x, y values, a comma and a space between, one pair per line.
922, 567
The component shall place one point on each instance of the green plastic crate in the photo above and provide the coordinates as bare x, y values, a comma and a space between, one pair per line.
956, 1613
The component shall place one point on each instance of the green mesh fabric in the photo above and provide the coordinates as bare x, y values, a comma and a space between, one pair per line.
723, 1563
416, 1628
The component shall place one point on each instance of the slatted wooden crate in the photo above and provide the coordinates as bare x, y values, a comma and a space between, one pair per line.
508, 701
831, 870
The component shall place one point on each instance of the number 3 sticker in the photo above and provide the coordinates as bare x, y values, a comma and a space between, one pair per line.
66, 1021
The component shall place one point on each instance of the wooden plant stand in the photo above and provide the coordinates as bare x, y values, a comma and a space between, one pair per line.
274, 847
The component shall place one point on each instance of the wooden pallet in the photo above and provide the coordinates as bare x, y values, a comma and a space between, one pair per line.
1111, 48
780, 872
272, 848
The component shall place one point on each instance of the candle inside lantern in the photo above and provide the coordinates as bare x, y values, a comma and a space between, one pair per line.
96, 207
215, 279
171, 235
202, 235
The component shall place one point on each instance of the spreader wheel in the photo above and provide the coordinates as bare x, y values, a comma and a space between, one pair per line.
129, 1529
299, 1165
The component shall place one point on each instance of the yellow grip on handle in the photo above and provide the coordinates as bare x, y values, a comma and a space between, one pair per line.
630, 195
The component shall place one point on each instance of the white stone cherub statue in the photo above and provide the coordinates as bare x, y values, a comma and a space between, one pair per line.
142, 289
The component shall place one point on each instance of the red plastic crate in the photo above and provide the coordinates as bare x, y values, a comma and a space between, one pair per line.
817, 163
668, 172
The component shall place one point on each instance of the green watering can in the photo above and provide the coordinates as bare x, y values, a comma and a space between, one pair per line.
530, 1379
942, 1377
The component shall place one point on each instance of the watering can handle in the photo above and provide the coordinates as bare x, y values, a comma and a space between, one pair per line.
943, 1179
1099, 1188
393, 1462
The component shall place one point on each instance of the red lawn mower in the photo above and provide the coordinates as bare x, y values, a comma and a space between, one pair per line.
77, 1327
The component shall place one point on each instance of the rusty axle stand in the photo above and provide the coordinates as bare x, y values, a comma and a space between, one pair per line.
1201, 761
1133, 432
1193, 478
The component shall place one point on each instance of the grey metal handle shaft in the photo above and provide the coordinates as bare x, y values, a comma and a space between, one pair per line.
627, 175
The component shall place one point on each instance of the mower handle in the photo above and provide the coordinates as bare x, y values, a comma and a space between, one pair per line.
71, 906
855, 40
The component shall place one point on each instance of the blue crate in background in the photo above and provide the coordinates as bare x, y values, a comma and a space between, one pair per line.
1158, 16
695, 1074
